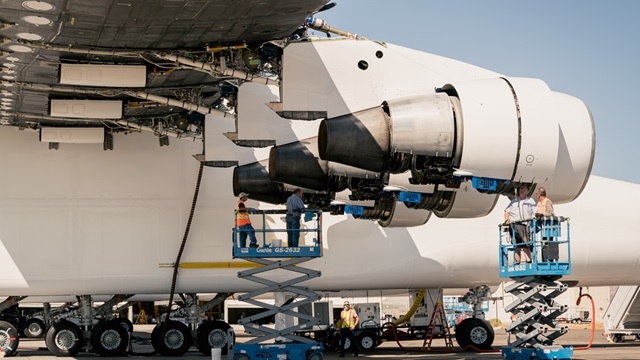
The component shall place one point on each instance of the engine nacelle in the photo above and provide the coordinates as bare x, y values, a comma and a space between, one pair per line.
392, 213
298, 164
406, 217
462, 202
509, 129
254, 179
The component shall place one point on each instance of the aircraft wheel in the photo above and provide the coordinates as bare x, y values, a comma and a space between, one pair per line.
64, 338
618, 338
9, 338
109, 338
125, 323
475, 332
213, 334
34, 328
368, 340
176, 340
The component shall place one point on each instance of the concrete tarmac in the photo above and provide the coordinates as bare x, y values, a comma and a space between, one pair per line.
629, 349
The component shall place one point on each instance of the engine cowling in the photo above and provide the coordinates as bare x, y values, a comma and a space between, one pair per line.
508, 129
254, 179
298, 164
389, 212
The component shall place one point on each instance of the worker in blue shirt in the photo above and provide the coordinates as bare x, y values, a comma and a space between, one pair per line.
295, 208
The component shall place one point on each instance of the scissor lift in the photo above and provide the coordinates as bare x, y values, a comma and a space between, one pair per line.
535, 287
280, 258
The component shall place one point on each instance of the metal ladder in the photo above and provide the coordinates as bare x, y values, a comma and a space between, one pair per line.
535, 286
438, 316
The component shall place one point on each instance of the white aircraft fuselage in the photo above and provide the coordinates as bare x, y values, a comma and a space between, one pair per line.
84, 221
81, 220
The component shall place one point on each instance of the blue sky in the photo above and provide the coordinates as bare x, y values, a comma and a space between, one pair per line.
586, 48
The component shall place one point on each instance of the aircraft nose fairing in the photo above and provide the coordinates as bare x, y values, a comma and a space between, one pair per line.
38, 37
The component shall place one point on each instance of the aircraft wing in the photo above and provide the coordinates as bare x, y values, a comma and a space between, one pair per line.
48, 50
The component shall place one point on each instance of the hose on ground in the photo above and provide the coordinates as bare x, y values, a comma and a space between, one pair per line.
593, 323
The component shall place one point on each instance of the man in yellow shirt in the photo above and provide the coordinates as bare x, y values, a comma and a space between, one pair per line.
348, 321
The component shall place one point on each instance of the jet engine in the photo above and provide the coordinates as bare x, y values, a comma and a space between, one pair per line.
254, 179
389, 212
500, 130
298, 164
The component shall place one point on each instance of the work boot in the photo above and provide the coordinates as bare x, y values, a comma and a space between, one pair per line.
254, 245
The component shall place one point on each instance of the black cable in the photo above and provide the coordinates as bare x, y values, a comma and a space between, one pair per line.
176, 264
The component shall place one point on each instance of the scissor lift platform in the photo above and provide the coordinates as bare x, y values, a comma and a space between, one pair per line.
271, 257
267, 249
535, 286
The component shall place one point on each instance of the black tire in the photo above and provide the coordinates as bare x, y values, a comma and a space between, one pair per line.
213, 334
64, 338
459, 334
475, 332
314, 356
9, 338
34, 328
126, 323
176, 340
368, 340
618, 338
336, 343
241, 357
109, 338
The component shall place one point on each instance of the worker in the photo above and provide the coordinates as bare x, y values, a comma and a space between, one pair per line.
349, 319
243, 222
545, 210
295, 208
521, 209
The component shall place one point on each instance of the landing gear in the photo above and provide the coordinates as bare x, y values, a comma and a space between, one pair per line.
178, 336
474, 332
109, 338
9, 338
34, 328
126, 324
214, 334
64, 338
175, 341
